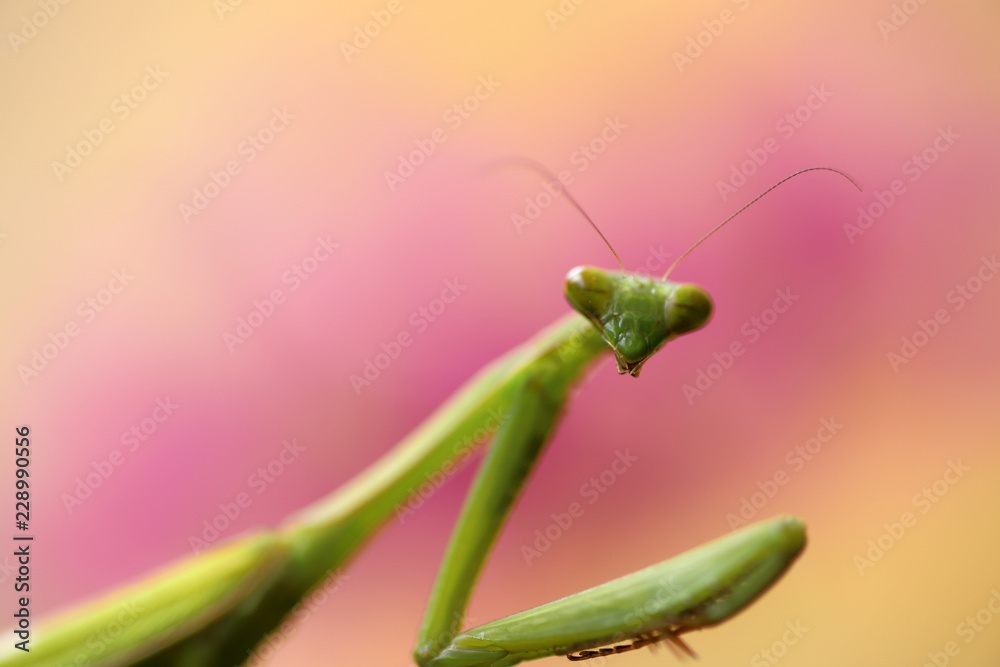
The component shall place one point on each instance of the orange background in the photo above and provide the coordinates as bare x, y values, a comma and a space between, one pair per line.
222, 74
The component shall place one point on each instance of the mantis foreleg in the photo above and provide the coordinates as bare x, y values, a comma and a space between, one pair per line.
213, 608
495, 489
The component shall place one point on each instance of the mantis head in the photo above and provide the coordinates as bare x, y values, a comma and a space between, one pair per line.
636, 315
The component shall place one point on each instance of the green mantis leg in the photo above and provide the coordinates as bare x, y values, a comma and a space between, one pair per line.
497, 486
214, 608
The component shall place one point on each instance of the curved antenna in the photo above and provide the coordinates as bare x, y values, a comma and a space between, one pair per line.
752, 201
538, 167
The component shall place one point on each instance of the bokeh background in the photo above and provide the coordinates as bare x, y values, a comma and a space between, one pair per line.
694, 90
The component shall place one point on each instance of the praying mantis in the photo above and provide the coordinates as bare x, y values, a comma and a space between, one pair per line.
215, 607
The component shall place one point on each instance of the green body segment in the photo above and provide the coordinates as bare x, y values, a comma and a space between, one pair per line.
498, 483
697, 589
134, 624
636, 315
628, 304
214, 608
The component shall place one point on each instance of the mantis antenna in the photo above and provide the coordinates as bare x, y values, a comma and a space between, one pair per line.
538, 167
752, 201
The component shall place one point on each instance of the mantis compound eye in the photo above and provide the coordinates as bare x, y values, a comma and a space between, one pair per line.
687, 309
589, 291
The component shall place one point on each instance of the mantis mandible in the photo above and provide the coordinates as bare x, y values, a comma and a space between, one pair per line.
215, 607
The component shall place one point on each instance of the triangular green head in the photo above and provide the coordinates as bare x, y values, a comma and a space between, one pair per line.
636, 315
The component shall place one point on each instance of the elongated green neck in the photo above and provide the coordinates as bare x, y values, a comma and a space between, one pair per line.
318, 541
329, 531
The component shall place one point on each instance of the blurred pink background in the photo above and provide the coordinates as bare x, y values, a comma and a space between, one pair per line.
327, 123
